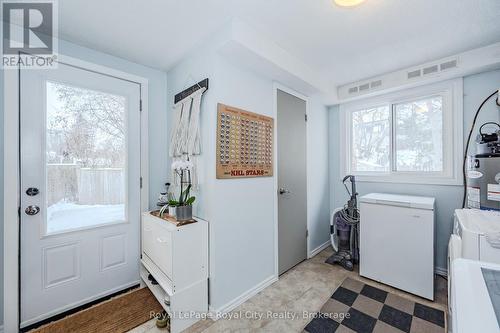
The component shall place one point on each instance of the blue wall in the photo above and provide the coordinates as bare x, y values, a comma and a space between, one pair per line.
448, 198
158, 150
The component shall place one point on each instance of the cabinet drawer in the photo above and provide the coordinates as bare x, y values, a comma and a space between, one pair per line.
157, 245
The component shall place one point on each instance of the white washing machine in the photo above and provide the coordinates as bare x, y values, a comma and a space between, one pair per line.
476, 300
476, 235
454, 252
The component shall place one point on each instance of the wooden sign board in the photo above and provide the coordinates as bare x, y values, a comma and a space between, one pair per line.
244, 144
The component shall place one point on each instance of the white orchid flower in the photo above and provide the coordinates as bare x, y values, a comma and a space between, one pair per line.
182, 165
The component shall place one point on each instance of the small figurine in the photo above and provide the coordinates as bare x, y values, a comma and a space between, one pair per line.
163, 197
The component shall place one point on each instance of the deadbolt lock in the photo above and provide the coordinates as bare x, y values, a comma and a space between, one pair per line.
32, 210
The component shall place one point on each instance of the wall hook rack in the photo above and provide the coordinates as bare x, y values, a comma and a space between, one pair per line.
186, 92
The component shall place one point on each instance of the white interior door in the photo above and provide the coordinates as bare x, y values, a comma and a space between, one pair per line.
80, 188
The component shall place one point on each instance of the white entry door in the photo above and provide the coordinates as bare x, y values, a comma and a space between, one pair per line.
80, 188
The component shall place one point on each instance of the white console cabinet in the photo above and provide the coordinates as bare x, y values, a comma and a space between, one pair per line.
177, 258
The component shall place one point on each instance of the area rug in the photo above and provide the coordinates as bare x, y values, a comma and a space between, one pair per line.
359, 307
119, 314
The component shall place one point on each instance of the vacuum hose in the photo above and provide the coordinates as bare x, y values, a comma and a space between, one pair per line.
347, 217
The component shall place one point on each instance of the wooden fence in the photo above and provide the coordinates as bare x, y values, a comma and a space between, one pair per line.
85, 186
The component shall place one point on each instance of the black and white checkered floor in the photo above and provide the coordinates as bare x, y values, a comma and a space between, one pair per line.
359, 307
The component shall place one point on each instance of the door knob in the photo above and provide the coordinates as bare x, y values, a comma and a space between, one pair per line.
32, 191
284, 190
32, 210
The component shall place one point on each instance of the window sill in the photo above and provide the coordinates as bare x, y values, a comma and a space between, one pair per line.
417, 180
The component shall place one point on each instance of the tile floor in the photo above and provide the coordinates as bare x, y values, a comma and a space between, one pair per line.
360, 307
306, 287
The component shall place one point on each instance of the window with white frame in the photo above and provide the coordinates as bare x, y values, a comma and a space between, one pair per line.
413, 136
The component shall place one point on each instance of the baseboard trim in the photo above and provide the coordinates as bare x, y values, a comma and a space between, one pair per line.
231, 305
441, 271
319, 249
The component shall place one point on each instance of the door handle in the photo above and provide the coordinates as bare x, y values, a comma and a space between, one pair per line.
284, 191
32, 210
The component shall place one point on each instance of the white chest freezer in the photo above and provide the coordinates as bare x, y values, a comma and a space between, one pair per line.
397, 241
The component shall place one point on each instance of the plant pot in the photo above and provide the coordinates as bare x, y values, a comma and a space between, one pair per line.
184, 213
171, 211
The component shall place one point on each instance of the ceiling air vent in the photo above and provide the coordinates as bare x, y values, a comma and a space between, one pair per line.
424, 72
414, 74
448, 65
364, 87
353, 90
430, 70
376, 84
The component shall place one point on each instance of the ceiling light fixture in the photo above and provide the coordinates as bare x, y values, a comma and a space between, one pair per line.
348, 3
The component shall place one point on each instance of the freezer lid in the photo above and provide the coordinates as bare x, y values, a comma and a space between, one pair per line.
399, 200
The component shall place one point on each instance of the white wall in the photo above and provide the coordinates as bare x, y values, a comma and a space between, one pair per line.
241, 211
190, 71
448, 198
318, 187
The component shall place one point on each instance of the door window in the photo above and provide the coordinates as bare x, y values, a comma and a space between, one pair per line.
86, 154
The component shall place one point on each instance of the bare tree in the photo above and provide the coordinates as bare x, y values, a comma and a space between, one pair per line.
93, 125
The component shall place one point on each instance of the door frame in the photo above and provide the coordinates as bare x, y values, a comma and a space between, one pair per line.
278, 86
11, 176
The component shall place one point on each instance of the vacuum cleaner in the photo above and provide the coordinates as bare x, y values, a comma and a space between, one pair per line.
344, 229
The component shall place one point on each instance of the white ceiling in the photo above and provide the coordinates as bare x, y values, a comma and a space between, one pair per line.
346, 44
